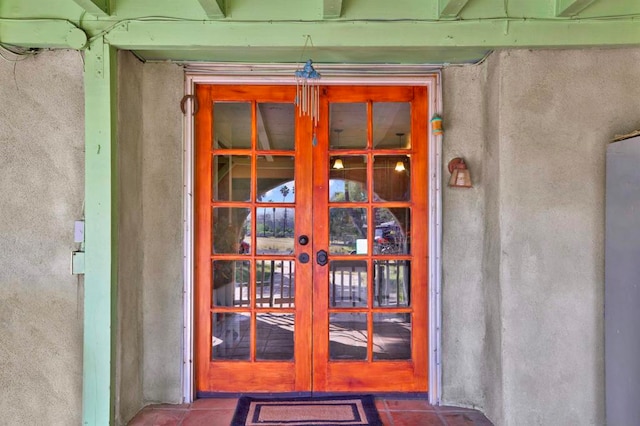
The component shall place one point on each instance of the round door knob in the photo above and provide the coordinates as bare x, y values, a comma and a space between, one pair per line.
303, 240
303, 258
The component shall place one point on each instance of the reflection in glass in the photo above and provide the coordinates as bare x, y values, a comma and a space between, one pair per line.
389, 184
348, 336
231, 125
231, 336
348, 230
392, 125
276, 126
275, 179
348, 283
275, 283
231, 283
275, 229
349, 182
348, 125
392, 231
231, 225
231, 178
392, 283
274, 337
392, 336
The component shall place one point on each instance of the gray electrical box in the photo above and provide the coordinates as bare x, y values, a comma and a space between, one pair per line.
622, 284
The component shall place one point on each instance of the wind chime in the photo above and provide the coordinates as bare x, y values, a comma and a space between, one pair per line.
308, 94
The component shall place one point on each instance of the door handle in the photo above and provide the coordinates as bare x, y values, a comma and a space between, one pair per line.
322, 258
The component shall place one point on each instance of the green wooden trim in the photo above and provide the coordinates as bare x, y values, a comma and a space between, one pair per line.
45, 33
100, 8
331, 9
451, 8
499, 33
214, 9
571, 7
101, 218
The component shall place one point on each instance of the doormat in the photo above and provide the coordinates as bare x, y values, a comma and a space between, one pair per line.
325, 411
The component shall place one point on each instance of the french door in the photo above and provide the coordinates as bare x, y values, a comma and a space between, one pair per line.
311, 241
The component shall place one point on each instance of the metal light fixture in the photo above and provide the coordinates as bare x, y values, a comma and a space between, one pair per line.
460, 177
338, 164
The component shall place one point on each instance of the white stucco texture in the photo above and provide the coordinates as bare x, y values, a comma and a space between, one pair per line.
41, 182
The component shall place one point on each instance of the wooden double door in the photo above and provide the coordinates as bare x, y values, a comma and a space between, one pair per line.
311, 240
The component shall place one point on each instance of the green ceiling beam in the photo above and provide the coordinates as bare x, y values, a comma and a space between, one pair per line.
331, 9
101, 8
215, 9
451, 8
568, 8
491, 34
44, 33
101, 236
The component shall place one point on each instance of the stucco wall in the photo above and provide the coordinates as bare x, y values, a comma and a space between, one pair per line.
162, 199
41, 182
542, 173
129, 368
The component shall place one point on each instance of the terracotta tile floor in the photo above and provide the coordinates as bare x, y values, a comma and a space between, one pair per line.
394, 412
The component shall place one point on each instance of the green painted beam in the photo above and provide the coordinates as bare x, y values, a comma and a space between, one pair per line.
345, 34
331, 9
214, 9
451, 8
567, 8
101, 8
101, 218
45, 33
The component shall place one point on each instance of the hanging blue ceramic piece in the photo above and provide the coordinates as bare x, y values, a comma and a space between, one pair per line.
314, 141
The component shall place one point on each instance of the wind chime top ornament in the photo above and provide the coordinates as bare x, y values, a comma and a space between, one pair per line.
308, 93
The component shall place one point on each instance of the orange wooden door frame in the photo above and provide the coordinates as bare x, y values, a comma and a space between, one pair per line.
312, 369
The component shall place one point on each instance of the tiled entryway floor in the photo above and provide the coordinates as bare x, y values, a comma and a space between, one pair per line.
394, 412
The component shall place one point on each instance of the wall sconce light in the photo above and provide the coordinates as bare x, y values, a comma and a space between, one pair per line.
338, 164
460, 177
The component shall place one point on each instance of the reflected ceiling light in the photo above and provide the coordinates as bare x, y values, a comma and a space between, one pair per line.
400, 164
460, 177
338, 164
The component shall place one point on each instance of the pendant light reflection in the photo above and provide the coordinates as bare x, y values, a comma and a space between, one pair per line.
460, 177
400, 164
338, 164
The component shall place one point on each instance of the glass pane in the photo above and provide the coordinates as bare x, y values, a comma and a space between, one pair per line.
392, 231
230, 336
392, 125
348, 231
231, 125
275, 283
348, 283
275, 179
348, 126
392, 177
274, 337
231, 280
231, 225
275, 229
391, 336
348, 336
231, 178
276, 126
348, 178
392, 283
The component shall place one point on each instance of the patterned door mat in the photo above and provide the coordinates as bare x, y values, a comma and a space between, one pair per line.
325, 411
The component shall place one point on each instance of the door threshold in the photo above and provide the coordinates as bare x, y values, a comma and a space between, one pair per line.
386, 395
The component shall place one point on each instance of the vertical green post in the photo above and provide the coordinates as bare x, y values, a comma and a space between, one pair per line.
101, 234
